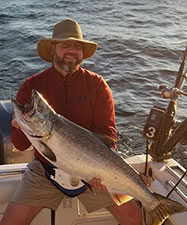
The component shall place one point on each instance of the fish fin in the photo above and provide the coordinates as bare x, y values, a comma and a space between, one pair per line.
47, 152
146, 179
107, 140
88, 186
163, 210
119, 199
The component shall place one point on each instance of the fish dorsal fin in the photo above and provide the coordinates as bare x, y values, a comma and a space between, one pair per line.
108, 141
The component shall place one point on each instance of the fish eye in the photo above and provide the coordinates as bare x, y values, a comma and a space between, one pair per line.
39, 107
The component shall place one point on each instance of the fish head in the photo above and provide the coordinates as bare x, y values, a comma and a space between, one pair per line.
34, 117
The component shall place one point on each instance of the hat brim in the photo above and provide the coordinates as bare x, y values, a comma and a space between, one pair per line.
44, 48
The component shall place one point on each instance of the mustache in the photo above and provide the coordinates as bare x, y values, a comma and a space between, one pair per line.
65, 65
71, 54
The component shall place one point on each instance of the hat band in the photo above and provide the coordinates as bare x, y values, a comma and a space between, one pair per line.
68, 36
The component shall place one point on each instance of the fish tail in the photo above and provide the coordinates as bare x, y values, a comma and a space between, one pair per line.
163, 210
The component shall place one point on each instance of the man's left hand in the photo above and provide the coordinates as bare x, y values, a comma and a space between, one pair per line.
96, 184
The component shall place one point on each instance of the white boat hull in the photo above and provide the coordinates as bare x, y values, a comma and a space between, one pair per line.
72, 212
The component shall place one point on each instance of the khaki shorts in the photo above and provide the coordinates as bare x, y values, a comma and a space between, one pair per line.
36, 189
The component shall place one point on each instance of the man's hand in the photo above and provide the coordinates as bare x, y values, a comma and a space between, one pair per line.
15, 123
96, 184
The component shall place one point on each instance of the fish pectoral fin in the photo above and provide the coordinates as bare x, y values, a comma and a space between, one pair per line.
89, 186
119, 199
47, 152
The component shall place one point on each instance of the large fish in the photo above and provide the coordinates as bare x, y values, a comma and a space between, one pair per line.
82, 154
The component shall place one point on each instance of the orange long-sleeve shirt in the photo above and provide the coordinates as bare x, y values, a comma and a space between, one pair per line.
82, 97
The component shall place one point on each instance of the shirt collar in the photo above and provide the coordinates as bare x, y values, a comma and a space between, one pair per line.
68, 77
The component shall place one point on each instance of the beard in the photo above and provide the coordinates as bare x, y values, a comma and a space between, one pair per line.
65, 65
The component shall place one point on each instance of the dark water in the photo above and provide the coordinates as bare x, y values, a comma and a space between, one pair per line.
141, 44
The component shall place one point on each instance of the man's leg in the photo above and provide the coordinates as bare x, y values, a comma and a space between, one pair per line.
19, 214
33, 193
127, 214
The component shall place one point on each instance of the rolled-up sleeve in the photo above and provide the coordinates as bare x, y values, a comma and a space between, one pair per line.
104, 112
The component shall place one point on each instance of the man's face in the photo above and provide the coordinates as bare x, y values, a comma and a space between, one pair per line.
67, 55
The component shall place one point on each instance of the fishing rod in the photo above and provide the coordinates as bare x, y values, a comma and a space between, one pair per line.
161, 121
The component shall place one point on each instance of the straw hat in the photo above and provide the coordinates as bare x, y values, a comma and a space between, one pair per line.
63, 31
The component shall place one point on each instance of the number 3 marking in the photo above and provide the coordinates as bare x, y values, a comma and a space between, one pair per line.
151, 132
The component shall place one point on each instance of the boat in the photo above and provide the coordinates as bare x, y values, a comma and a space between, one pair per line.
164, 174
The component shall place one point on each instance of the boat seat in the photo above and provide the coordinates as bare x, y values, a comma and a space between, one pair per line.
6, 112
8, 153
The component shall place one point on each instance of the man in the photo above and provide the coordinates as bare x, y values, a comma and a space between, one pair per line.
81, 96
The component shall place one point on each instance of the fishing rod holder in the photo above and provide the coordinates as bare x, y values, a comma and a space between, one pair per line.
160, 130
171, 93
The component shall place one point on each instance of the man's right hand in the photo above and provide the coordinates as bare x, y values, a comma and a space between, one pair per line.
15, 123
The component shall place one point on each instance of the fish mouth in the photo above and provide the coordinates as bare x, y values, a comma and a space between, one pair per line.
18, 106
36, 136
27, 108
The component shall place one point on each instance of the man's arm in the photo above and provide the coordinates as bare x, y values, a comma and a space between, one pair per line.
104, 125
18, 138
